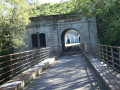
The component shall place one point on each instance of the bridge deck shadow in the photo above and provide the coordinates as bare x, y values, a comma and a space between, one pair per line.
69, 72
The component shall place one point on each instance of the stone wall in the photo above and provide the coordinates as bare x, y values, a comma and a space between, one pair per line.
54, 26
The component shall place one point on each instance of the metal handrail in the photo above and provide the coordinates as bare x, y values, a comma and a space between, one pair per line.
15, 64
109, 55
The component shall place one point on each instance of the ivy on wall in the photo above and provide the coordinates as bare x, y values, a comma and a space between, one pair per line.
106, 12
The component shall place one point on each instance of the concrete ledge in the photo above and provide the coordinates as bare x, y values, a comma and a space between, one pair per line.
20, 81
109, 78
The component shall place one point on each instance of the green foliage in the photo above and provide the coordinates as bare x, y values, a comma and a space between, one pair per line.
106, 11
108, 24
52, 9
14, 17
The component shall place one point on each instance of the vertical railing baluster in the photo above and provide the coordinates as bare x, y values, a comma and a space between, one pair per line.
43, 54
36, 57
47, 52
106, 55
51, 51
11, 66
119, 57
112, 57
20, 63
96, 52
27, 60
102, 53
39, 55
99, 52
32, 59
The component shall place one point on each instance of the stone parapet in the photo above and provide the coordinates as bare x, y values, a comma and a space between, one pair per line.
109, 78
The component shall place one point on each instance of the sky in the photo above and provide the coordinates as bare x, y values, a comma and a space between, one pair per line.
46, 1
49, 1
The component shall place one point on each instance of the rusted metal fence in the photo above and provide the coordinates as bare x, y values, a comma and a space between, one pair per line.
110, 55
15, 64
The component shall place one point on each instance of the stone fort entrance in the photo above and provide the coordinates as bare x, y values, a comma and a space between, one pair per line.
70, 40
49, 31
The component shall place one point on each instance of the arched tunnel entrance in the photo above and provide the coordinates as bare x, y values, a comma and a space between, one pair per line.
70, 40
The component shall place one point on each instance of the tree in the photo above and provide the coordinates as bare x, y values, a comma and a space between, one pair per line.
107, 14
14, 17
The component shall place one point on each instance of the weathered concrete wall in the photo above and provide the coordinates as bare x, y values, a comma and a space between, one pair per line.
54, 26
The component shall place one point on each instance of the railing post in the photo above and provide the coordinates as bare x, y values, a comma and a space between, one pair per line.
32, 59
40, 55
46, 52
96, 51
99, 52
119, 56
102, 54
36, 56
106, 55
11, 66
112, 56
20, 63
49, 52
43, 54
27, 60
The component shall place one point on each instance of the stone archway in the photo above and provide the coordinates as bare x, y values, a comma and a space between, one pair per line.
72, 40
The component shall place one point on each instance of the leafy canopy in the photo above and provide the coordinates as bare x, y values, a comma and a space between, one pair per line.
14, 17
106, 12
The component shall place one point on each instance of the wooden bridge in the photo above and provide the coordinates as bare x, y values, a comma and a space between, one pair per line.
98, 70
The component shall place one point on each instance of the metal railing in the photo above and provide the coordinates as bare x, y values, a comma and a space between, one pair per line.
110, 55
15, 64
